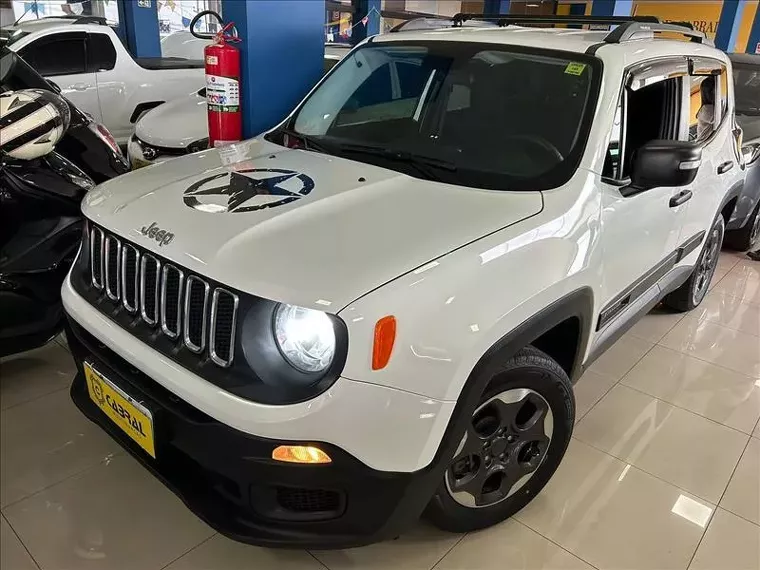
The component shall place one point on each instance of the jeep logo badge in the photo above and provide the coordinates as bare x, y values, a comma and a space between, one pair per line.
154, 232
247, 190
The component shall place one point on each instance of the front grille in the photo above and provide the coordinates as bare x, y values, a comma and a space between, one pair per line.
183, 308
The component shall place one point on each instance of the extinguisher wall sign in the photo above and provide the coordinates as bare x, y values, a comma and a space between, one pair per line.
222, 63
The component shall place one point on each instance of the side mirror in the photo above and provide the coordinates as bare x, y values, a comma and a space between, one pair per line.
665, 163
751, 153
54, 86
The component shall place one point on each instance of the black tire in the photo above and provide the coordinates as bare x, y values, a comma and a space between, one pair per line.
529, 369
747, 237
694, 290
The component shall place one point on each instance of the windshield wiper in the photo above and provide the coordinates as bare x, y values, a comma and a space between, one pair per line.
428, 166
309, 142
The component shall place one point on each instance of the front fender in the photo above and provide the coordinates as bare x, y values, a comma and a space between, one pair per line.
501, 289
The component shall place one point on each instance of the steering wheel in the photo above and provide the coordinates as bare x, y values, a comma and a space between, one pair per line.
540, 143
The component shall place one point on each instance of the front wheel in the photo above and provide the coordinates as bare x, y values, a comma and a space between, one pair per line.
511, 447
689, 295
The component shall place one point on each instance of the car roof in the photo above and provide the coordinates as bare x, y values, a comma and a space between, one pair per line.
56, 22
562, 39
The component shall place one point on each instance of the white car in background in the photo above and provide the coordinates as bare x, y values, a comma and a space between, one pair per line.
180, 127
87, 60
183, 44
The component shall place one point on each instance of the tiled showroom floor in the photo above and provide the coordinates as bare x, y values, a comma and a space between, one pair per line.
663, 471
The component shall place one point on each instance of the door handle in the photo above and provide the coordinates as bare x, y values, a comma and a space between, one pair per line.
80, 86
680, 198
725, 167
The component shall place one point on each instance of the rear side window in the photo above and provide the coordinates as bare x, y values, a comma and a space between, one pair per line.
60, 54
101, 55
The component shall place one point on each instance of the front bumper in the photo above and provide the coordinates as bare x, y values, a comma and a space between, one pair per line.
141, 154
229, 480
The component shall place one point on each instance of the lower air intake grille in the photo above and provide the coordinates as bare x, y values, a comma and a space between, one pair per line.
300, 500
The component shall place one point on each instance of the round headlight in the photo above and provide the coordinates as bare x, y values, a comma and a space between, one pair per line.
305, 337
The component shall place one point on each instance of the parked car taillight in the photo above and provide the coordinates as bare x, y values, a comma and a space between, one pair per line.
105, 135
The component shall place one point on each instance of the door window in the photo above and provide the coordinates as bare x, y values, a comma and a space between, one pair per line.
651, 112
60, 54
101, 55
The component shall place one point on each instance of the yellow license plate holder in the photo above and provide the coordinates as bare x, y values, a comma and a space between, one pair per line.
131, 416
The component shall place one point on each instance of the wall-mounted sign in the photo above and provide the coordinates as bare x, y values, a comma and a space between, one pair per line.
757, 48
144, 3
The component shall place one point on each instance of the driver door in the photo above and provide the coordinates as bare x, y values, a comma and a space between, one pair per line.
640, 229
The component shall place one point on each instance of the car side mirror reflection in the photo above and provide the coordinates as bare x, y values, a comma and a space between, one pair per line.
665, 163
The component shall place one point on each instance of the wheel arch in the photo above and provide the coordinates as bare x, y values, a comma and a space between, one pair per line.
569, 319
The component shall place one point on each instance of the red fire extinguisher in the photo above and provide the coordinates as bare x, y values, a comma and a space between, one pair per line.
222, 62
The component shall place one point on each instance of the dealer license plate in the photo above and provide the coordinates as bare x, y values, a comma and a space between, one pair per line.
127, 413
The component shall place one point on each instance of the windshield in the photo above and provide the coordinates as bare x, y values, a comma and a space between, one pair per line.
10, 36
480, 115
747, 82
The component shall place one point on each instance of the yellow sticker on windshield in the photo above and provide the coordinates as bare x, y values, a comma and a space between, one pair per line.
574, 68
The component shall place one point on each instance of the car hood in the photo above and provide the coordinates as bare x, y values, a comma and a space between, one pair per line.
297, 226
175, 124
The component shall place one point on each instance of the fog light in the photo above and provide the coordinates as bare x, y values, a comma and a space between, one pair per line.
300, 454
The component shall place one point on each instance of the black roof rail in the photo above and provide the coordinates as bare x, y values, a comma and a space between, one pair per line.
506, 20
77, 19
627, 26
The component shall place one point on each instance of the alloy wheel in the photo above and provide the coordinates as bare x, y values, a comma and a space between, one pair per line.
754, 236
505, 443
707, 264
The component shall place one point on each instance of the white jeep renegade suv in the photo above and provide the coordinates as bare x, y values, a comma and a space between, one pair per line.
378, 309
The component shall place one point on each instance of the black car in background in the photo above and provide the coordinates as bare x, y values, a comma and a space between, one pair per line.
743, 230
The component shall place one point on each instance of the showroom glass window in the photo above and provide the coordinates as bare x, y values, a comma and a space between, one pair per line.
60, 54
747, 89
501, 116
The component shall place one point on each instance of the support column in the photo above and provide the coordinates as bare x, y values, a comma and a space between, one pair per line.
612, 8
281, 56
753, 44
496, 7
729, 23
139, 21
369, 9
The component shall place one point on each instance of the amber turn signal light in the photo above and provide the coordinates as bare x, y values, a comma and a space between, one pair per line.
385, 336
300, 454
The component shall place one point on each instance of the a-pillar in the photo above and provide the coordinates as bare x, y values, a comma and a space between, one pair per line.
281, 56
138, 22
369, 9
753, 45
612, 8
729, 24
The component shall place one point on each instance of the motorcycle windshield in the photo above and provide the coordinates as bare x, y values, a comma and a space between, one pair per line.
16, 74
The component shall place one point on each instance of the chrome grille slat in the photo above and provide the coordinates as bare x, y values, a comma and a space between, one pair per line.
182, 307
112, 277
96, 257
166, 325
222, 350
130, 287
201, 345
149, 291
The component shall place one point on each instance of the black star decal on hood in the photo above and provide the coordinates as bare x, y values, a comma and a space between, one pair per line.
241, 189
